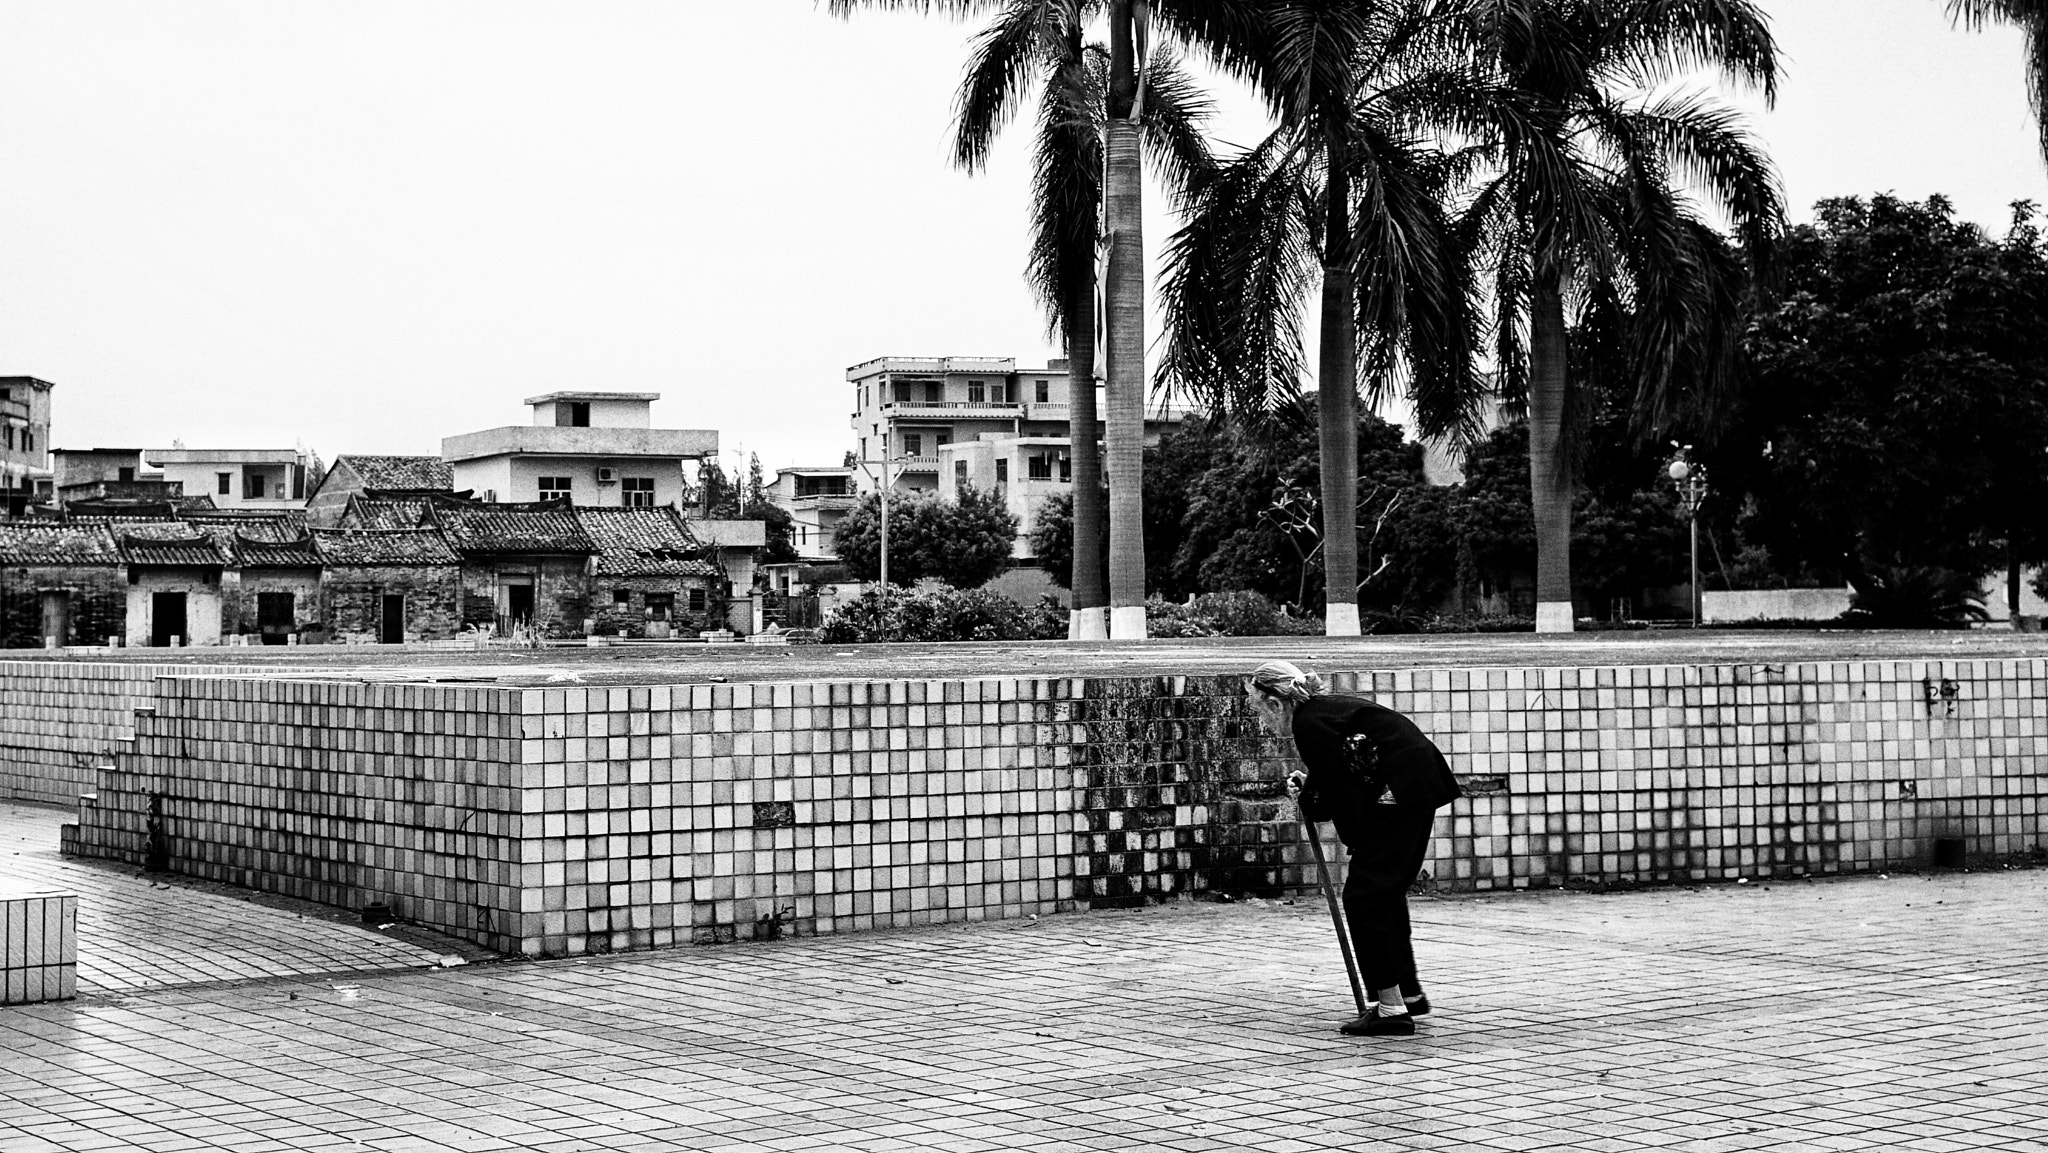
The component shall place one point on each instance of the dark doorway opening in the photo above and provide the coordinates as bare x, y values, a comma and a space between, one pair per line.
167, 619
274, 617
518, 604
391, 629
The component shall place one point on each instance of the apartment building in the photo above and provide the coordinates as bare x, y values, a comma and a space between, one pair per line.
816, 499
942, 422
24, 440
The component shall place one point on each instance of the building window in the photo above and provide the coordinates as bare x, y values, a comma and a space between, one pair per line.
9, 443
554, 487
661, 606
960, 473
1040, 466
123, 474
223, 483
252, 486
579, 414
976, 390
637, 491
913, 444
622, 596
934, 391
696, 600
943, 438
1044, 390
902, 391
28, 440
1002, 471
1067, 470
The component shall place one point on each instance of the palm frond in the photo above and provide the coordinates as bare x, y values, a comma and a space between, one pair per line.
1175, 110
1657, 39
1005, 58
1235, 280
1066, 201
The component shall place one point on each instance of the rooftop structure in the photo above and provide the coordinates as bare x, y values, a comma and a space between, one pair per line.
594, 448
266, 478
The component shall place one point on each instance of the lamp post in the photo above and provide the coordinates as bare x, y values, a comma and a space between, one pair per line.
882, 495
1691, 482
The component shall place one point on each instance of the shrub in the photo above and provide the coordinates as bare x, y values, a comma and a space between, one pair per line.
1916, 597
1229, 614
885, 614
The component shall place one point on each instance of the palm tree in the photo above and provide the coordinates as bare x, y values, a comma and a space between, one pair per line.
1346, 190
1583, 205
1040, 43
2032, 18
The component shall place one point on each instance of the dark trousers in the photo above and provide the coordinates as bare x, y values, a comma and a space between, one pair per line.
1388, 844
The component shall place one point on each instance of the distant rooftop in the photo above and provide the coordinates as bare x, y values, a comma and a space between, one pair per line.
162, 456
556, 397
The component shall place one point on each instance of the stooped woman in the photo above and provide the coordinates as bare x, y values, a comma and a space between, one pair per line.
1371, 773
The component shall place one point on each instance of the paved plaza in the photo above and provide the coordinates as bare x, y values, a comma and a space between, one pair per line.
1905, 1012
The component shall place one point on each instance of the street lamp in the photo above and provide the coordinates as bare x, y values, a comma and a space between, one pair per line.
1691, 482
882, 495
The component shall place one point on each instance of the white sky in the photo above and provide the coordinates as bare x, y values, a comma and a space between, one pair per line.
363, 225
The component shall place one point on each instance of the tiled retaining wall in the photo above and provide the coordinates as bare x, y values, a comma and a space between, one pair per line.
569, 820
58, 721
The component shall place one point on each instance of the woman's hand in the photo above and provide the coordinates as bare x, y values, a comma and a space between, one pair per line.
1295, 780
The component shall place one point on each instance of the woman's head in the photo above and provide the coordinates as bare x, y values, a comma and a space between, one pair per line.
1275, 688
1284, 681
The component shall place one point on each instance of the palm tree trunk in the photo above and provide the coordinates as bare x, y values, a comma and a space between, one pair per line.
1124, 291
1089, 620
1337, 406
1550, 481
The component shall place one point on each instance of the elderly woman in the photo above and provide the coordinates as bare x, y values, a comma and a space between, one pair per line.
1370, 772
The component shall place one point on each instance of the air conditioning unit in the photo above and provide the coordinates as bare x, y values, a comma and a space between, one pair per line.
605, 476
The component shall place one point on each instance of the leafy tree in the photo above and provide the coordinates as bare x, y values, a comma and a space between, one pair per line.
1899, 414
716, 494
965, 543
1584, 201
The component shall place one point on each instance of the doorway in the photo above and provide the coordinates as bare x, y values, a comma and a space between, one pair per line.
275, 617
166, 619
391, 627
518, 603
56, 604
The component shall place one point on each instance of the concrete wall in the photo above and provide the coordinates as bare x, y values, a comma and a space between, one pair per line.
1773, 605
570, 820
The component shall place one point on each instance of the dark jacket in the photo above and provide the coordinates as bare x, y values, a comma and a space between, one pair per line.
1394, 758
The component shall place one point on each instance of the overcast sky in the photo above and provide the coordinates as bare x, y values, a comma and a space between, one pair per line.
363, 225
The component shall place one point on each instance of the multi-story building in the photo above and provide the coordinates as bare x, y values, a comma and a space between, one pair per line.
593, 448
24, 439
816, 499
942, 422
237, 478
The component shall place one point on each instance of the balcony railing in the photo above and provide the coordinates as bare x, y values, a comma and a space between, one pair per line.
952, 407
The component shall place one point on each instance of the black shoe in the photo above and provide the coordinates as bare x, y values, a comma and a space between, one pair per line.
1418, 1005
1376, 1024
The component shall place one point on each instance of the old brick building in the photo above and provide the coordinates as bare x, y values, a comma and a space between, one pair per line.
389, 584
523, 565
273, 592
65, 581
649, 577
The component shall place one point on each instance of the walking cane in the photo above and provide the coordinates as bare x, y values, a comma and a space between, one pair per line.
1315, 847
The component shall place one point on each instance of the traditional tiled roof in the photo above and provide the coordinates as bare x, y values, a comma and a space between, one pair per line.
282, 524
191, 504
541, 526
643, 542
92, 509
169, 543
384, 512
387, 546
400, 473
260, 551
47, 543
